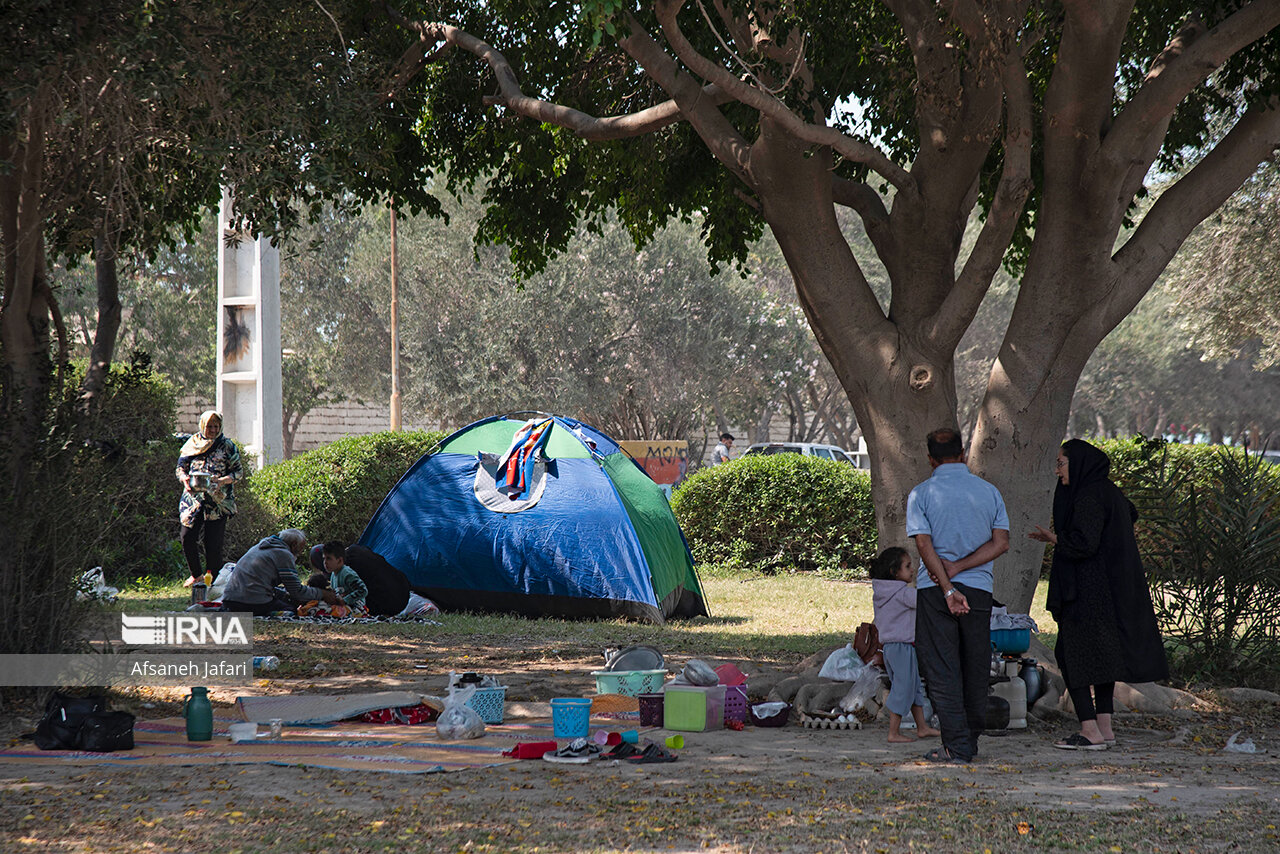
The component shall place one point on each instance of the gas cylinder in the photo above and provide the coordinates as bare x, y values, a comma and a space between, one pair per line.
1015, 692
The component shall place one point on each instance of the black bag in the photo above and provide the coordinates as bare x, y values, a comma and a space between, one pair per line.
104, 732
59, 729
83, 723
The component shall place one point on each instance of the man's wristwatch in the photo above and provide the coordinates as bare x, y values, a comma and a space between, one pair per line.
947, 595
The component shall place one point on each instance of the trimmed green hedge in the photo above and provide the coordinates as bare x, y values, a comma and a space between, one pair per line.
780, 512
1155, 475
331, 492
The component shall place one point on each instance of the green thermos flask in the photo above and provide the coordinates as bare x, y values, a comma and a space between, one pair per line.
199, 714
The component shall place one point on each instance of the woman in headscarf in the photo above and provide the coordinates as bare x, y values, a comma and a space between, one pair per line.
208, 468
1098, 593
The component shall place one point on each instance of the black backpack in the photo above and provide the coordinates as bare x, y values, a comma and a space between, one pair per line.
83, 723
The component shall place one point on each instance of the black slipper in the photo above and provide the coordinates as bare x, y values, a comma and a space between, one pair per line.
1077, 741
621, 751
653, 753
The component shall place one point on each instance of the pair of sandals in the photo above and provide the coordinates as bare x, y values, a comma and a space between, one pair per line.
580, 751
1078, 741
651, 752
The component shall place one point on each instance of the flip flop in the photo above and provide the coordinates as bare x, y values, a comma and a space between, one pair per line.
653, 753
1077, 741
621, 751
942, 756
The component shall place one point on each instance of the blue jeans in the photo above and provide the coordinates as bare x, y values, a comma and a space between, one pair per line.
955, 661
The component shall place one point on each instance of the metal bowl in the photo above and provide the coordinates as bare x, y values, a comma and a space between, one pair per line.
636, 658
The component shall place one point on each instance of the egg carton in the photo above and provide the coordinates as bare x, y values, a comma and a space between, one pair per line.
830, 720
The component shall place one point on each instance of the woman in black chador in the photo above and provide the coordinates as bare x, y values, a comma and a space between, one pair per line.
1097, 593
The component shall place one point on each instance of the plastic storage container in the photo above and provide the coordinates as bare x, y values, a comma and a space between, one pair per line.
650, 709
570, 717
777, 718
490, 703
631, 683
693, 708
735, 703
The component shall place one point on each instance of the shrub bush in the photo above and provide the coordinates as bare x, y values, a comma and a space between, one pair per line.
1132, 459
331, 492
780, 512
87, 496
1211, 545
130, 456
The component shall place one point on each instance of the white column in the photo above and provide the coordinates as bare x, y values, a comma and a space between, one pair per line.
249, 385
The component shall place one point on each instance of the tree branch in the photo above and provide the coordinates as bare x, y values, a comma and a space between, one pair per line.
866, 202
961, 304
445, 36
1194, 197
769, 106
1187, 62
720, 136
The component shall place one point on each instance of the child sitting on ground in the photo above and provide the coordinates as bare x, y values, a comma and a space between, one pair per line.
342, 578
894, 599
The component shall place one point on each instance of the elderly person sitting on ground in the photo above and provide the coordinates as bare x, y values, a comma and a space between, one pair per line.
272, 563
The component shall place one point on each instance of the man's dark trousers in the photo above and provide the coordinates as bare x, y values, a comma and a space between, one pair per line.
955, 661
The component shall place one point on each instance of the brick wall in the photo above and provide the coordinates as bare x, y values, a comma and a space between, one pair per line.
330, 422
322, 425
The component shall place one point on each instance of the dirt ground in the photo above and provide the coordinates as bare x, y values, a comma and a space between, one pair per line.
1167, 786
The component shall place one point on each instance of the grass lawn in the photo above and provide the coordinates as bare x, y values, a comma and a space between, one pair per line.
768, 618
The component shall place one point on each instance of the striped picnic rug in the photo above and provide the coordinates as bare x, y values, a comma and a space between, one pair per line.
344, 745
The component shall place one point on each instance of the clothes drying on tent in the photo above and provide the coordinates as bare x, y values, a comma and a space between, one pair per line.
517, 464
588, 535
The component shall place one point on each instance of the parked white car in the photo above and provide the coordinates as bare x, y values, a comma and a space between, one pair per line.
827, 452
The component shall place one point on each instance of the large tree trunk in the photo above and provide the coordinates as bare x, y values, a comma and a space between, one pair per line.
104, 342
1023, 419
24, 318
899, 389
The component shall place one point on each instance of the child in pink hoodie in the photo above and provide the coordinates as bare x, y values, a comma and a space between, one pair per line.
894, 599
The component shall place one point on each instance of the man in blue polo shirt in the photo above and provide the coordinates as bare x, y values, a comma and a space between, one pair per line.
960, 526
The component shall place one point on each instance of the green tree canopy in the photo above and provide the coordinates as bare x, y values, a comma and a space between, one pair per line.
1040, 119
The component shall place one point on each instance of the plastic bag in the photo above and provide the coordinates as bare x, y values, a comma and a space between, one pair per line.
844, 665
93, 585
220, 583
1245, 746
861, 699
458, 720
418, 605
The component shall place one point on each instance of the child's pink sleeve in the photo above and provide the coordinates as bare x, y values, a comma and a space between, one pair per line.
909, 596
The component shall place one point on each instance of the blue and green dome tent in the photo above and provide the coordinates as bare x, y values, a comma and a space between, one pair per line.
587, 534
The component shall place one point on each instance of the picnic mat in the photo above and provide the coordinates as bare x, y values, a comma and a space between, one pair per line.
320, 708
344, 746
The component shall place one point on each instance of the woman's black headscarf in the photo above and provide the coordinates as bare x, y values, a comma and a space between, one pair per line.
1088, 471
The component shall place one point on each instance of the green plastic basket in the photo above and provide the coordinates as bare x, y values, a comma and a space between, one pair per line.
632, 683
